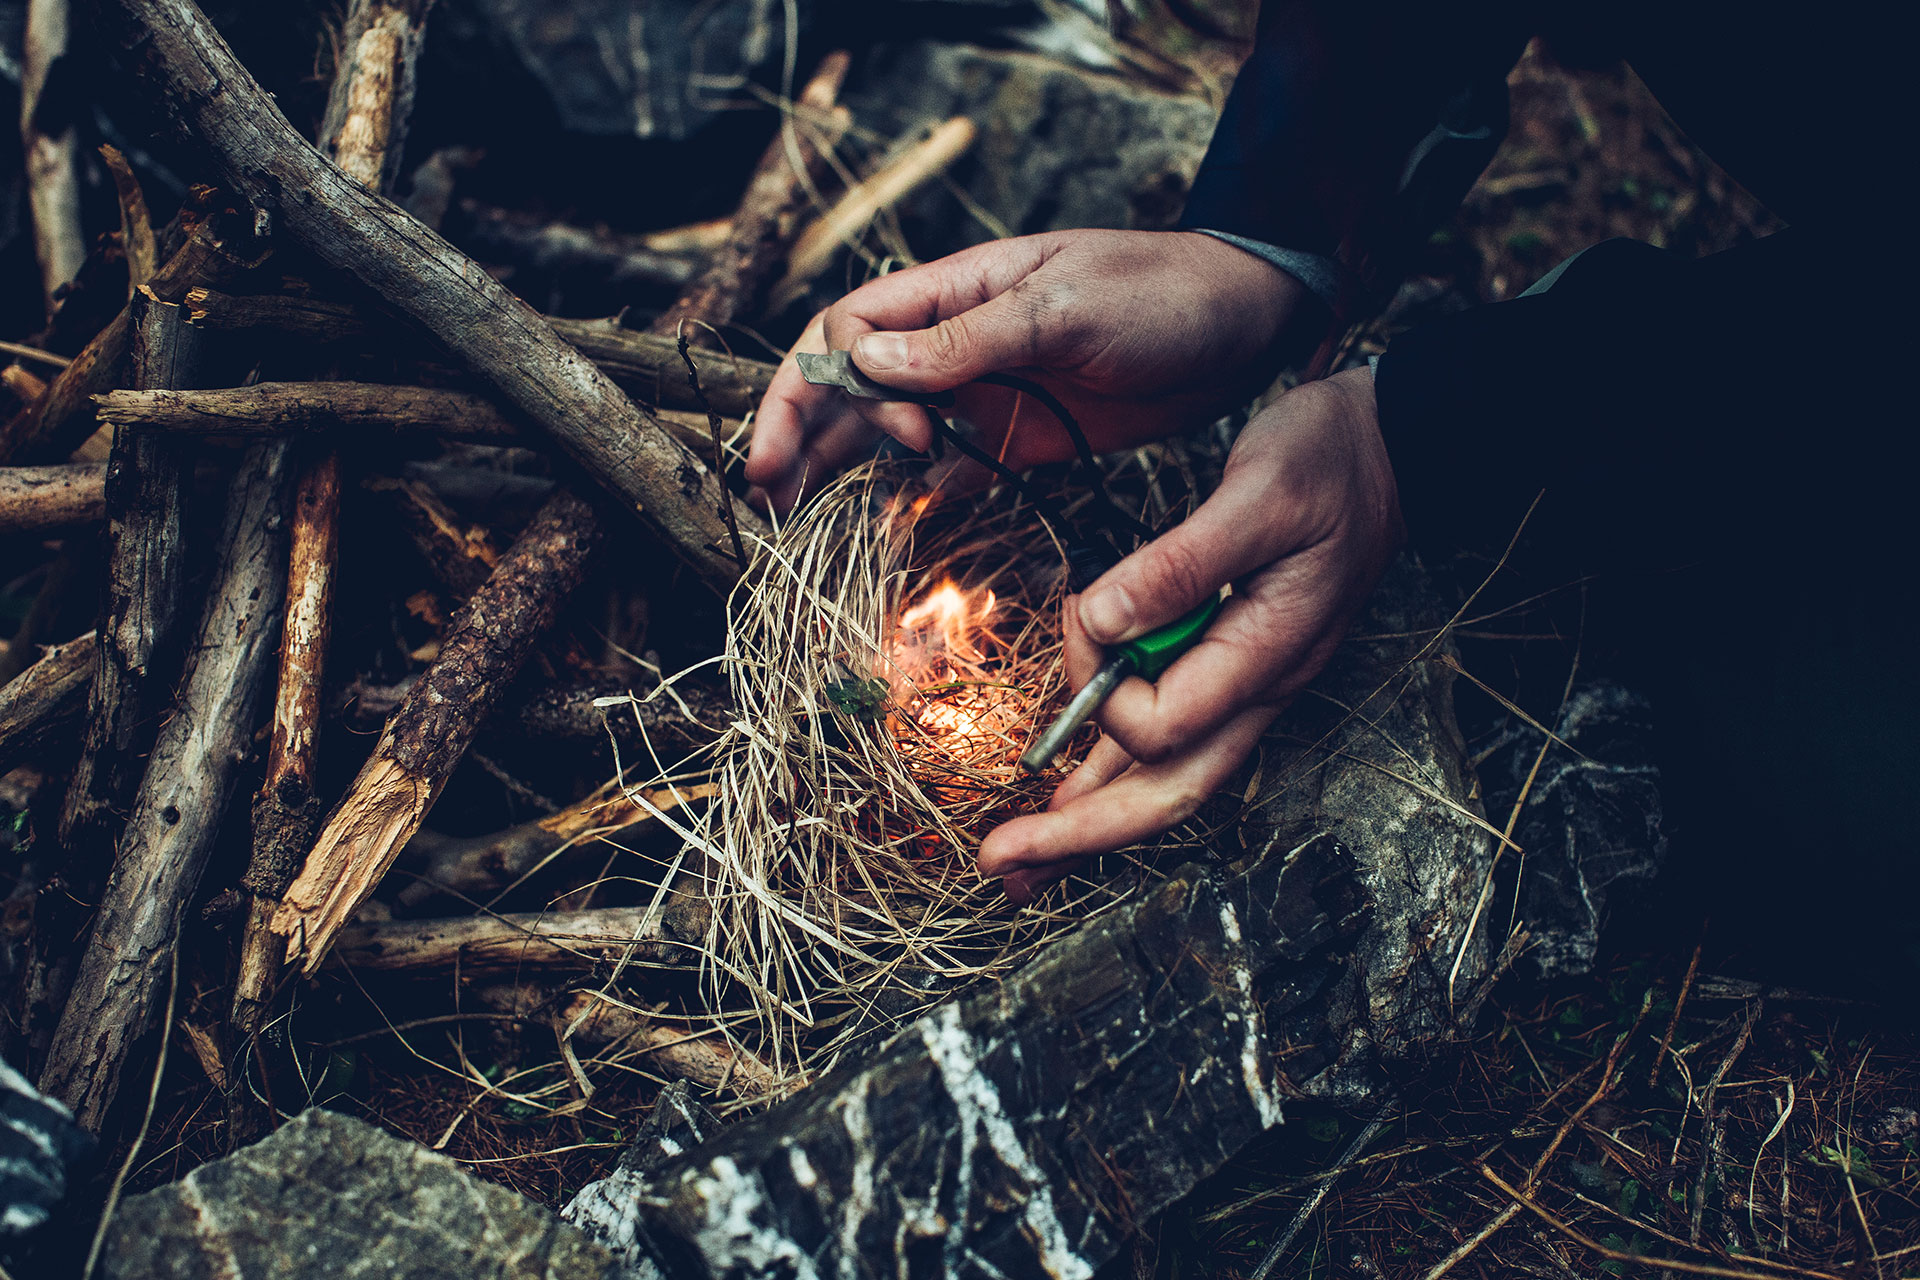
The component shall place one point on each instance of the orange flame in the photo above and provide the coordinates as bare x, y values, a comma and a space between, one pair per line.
942, 639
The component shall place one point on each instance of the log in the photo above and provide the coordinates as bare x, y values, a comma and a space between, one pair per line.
177, 810
461, 556
47, 137
648, 364
531, 940
778, 196
414, 270
474, 866
148, 476
46, 701
56, 424
479, 656
39, 499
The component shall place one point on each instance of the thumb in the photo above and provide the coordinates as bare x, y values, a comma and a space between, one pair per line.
1005, 332
1232, 534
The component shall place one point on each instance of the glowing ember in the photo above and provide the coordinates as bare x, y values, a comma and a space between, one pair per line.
942, 671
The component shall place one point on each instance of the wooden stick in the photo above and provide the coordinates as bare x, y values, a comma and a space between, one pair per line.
53, 172
462, 556
277, 408
847, 220
43, 702
35, 499
597, 1022
616, 260
147, 480
367, 112
645, 363
542, 939
177, 810
56, 424
426, 737
447, 294
474, 866
770, 212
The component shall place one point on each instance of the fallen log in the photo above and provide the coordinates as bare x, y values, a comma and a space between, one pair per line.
412, 269
642, 362
44, 702
474, 866
148, 476
479, 656
177, 810
778, 196
506, 943
41, 499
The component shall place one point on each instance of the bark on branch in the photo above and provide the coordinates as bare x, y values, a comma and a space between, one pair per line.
36, 499
505, 943
44, 701
414, 270
644, 363
426, 737
178, 808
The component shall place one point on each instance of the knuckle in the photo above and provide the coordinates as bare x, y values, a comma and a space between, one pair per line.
1175, 570
949, 341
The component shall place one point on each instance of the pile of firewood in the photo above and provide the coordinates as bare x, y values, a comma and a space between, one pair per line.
283, 345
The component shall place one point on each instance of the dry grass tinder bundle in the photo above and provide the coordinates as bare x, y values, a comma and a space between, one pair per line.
889, 659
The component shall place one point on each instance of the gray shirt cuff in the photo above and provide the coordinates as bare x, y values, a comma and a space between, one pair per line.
1325, 278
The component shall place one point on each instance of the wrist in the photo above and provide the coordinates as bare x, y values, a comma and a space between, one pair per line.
1290, 293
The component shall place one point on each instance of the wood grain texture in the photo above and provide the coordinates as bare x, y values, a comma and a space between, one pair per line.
36, 499
254, 149
181, 799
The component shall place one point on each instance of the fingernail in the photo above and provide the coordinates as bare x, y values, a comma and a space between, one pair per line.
881, 350
1107, 615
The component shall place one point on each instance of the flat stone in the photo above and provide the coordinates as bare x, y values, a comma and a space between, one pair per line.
328, 1197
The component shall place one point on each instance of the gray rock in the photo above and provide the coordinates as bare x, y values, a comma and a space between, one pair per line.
1058, 146
659, 68
1372, 754
39, 1145
1023, 1127
328, 1197
1591, 825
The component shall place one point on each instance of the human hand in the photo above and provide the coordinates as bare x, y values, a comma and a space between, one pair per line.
1140, 334
1305, 521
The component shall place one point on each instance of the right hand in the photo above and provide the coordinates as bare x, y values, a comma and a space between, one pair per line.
1140, 333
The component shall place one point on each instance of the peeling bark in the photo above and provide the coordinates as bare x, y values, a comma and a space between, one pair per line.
530, 940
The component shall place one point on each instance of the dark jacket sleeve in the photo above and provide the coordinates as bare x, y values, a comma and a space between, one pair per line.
1664, 407
1352, 130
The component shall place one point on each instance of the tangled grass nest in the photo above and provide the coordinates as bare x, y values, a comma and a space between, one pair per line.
889, 660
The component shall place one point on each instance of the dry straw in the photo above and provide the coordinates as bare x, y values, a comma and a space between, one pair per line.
889, 659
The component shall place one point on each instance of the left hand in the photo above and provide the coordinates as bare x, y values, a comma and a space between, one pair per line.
1305, 521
